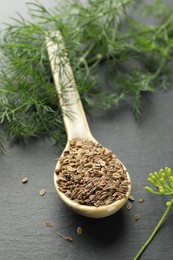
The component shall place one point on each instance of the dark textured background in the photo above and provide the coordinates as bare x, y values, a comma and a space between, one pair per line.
143, 146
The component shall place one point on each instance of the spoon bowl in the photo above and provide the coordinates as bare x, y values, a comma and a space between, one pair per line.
75, 123
91, 211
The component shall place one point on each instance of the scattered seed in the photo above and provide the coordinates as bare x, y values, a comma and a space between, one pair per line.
79, 230
131, 197
67, 238
48, 223
136, 217
25, 180
141, 200
129, 205
42, 192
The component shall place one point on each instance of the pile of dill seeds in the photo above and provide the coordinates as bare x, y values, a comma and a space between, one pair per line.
90, 174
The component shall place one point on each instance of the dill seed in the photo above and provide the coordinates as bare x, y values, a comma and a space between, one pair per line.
79, 230
67, 238
90, 174
136, 217
25, 180
48, 223
129, 205
131, 198
140, 200
42, 192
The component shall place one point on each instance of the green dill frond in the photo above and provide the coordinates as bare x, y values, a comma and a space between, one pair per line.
114, 58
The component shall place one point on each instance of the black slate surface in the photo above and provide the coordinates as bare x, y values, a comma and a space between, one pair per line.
143, 146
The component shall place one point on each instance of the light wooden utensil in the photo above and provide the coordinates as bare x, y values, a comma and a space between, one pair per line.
75, 121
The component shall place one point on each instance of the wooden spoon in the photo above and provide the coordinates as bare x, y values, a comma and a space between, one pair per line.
76, 124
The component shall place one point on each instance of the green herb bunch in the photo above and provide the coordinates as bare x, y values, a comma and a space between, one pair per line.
115, 57
163, 185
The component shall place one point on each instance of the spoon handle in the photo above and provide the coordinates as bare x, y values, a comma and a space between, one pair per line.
72, 110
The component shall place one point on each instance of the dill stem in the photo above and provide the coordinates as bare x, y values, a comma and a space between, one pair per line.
154, 231
158, 70
165, 24
88, 51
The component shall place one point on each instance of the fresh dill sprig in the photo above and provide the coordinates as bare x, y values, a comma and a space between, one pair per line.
163, 185
114, 58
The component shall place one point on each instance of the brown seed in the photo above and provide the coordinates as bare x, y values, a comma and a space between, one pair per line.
57, 171
129, 205
70, 169
79, 168
101, 162
136, 217
62, 177
25, 180
67, 238
140, 200
79, 230
42, 192
48, 223
116, 175
131, 197
89, 165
